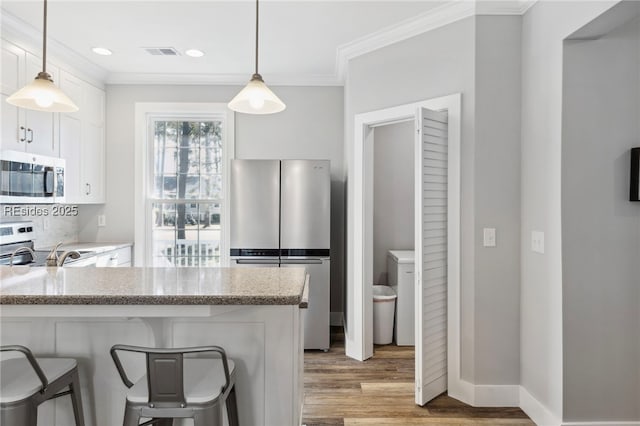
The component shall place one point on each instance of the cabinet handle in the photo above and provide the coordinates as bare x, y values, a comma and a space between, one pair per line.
31, 134
24, 134
88, 187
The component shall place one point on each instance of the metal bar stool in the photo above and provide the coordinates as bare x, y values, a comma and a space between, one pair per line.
21, 391
175, 387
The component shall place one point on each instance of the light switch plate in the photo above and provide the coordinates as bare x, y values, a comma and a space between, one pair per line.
537, 241
489, 239
102, 220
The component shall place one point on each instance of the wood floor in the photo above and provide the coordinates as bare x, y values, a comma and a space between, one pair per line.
379, 391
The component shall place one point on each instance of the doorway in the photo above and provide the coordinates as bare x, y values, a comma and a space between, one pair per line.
359, 338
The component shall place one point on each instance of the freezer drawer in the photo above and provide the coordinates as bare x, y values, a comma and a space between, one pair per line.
316, 316
255, 204
305, 204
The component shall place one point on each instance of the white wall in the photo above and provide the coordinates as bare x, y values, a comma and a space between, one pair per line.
310, 127
600, 227
427, 66
497, 199
441, 62
544, 27
393, 193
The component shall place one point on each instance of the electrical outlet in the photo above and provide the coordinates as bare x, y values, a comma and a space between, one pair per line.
102, 220
46, 223
489, 239
537, 241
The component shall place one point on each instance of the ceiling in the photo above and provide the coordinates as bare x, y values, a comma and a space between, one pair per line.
298, 39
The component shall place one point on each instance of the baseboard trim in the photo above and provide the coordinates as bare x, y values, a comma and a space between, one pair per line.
536, 410
485, 395
497, 396
335, 319
601, 424
516, 396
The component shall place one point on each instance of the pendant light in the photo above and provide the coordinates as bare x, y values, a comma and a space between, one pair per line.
42, 94
256, 97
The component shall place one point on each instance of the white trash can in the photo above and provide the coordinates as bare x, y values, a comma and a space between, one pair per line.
384, 306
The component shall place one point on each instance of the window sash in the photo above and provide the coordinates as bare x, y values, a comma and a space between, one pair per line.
148, 114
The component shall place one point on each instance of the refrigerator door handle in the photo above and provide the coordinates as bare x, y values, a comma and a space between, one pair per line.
301, 261
257, 261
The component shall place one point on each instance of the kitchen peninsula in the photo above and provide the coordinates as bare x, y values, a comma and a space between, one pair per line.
254, 313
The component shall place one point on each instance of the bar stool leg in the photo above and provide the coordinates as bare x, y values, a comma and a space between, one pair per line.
232, 407
209, 417
131, 416
22, 414
76, 398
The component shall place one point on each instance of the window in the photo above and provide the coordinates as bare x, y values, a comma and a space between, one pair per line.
187, 153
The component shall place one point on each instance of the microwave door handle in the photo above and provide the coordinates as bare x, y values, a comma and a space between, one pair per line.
49, 179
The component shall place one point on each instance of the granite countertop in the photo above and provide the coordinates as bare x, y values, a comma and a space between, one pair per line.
23, 285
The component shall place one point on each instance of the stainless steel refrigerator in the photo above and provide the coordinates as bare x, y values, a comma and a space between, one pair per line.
280, 217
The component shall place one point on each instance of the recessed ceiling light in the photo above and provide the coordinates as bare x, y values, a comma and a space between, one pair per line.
101, 51
194, 53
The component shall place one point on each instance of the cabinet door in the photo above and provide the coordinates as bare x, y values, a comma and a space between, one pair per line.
71, 139
41, 126
93, 164
12, 77
12, 68
93, 154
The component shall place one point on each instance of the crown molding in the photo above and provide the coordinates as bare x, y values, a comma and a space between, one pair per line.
430, 20
446, 14
503, 7
220, 79
29, 38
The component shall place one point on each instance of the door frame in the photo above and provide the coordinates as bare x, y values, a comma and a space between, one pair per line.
359, 330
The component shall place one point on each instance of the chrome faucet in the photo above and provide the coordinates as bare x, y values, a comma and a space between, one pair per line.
70, 253
52, 258
21, 249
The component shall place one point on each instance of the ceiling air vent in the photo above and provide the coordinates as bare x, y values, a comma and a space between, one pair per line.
161, 51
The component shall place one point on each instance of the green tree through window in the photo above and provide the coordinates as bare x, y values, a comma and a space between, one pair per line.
187, 192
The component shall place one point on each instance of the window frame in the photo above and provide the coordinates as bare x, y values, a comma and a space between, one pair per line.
145, 114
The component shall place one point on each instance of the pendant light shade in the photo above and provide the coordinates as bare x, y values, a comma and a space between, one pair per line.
41, 94
256, 97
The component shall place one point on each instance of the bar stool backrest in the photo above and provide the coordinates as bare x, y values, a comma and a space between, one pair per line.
165, 380
165, 372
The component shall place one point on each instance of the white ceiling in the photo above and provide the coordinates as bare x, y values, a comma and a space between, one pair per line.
298, 39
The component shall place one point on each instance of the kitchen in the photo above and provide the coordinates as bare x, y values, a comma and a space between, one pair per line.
318, 124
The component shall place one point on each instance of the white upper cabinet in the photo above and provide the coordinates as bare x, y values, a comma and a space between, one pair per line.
78, 137
25, 130
82, 141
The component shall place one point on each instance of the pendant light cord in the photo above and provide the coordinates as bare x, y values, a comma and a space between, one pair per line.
44, 39
256, 36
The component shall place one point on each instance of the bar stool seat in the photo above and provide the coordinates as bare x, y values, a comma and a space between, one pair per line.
20, 382
27, 382
178, 387
203, 379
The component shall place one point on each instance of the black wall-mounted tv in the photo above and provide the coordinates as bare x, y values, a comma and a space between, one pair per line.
634, 192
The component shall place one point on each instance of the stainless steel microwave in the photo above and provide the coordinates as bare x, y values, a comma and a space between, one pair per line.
27, 178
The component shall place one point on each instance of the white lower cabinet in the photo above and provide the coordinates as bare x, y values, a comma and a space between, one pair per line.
115, 258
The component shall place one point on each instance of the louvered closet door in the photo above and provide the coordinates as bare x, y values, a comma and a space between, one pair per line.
431, 256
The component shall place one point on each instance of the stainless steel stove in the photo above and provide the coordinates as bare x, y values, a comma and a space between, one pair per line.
15, 235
